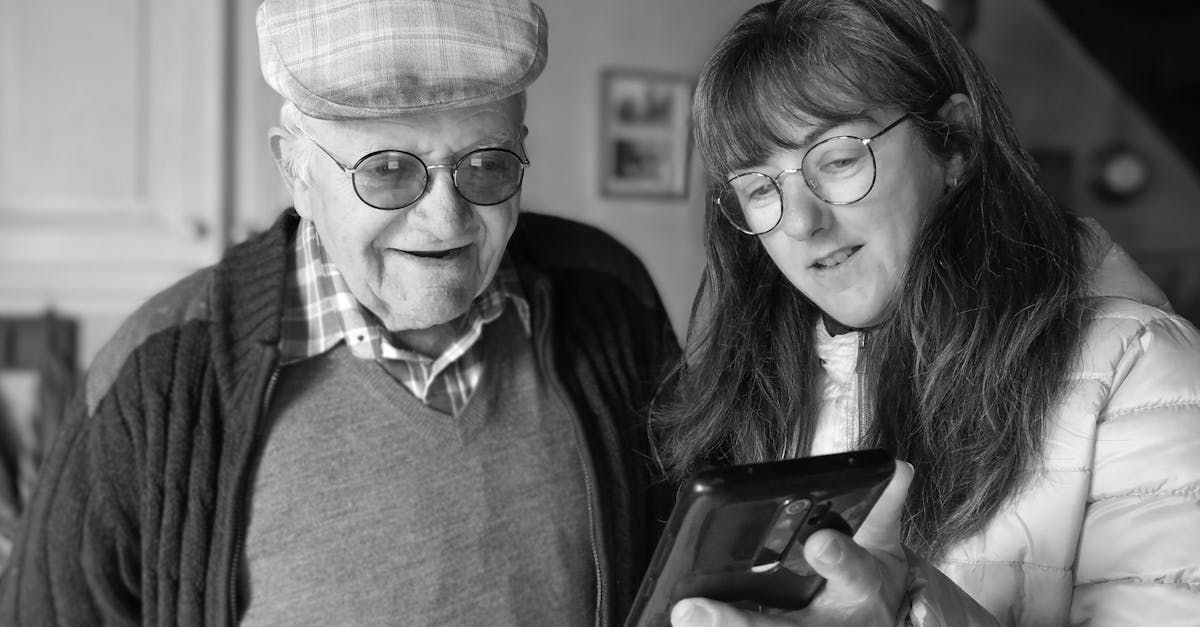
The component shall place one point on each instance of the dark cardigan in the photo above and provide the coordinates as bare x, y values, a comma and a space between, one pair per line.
139, 512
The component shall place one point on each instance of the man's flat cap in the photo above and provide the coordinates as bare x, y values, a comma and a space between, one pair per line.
352, 59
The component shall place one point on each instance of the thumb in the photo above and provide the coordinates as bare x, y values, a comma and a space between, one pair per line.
881, 529
850, 565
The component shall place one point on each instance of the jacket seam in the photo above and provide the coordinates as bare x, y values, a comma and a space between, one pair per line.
1158, 316
1141, 492
1192, 585
141, 327
1009, 563
1108, 415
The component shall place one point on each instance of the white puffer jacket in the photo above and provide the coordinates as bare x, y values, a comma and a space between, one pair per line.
1108, 531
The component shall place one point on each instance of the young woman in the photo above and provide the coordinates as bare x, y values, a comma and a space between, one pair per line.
885, 270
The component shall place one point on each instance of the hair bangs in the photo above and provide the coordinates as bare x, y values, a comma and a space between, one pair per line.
753, 96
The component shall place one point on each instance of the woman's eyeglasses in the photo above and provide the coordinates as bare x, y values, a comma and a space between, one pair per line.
839, 170
395, 179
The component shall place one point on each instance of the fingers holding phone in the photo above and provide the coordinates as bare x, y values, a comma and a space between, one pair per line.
865, 576
737, 535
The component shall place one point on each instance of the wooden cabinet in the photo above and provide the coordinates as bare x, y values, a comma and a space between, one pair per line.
114, 153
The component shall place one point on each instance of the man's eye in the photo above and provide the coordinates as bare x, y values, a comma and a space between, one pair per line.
386, 167
485, 164
390, 166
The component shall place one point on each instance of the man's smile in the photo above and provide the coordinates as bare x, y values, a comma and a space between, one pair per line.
448, 253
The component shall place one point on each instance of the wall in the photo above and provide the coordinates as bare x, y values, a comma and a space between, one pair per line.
1062, 100
585, 37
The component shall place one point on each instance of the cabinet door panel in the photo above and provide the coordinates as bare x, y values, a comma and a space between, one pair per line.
112, 150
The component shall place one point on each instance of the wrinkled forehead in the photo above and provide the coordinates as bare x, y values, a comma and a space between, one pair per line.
497, 123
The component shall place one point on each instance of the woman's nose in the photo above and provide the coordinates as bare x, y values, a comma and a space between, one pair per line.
804, 215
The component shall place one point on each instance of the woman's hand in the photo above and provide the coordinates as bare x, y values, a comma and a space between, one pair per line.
866, 575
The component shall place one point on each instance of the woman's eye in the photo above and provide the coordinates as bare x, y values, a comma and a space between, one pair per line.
759, 191
841, 164
844, 161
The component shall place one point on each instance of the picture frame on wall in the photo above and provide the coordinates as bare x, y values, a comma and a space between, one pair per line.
645, 135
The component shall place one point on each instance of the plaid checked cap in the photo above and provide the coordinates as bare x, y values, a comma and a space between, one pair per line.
353, 59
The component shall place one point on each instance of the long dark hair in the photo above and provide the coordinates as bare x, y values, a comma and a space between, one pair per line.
986, 322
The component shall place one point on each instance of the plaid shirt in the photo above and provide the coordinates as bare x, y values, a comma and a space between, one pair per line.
320, 312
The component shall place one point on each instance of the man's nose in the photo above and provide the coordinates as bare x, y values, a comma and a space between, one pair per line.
804, 215
442, 211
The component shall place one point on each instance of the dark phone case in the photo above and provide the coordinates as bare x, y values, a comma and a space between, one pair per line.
722, 515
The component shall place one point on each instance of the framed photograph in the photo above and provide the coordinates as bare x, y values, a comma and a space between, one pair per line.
645, 134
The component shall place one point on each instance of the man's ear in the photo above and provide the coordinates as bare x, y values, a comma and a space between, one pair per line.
959, 113
284, 147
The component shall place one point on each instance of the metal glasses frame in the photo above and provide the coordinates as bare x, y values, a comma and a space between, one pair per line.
775, 180
350, 171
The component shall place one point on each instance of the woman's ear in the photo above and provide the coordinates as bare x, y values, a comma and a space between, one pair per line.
287, 156
959, 113
957, 110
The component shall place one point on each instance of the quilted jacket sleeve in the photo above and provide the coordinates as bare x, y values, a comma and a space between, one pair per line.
1139, 552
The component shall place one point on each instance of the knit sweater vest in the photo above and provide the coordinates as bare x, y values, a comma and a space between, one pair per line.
371, 508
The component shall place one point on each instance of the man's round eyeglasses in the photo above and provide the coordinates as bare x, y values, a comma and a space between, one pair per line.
395, 179
838, 170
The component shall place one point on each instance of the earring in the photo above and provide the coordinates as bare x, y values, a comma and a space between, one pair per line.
953, 182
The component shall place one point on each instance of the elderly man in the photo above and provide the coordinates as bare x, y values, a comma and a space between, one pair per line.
405, 403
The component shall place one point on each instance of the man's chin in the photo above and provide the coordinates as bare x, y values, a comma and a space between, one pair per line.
428, 315
430, 331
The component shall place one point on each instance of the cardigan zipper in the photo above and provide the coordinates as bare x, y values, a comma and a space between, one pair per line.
860, 371
241, 502
585, 461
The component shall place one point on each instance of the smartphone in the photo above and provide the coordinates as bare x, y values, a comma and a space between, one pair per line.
737, 533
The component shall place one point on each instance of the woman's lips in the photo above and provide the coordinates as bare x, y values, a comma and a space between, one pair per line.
836, 258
